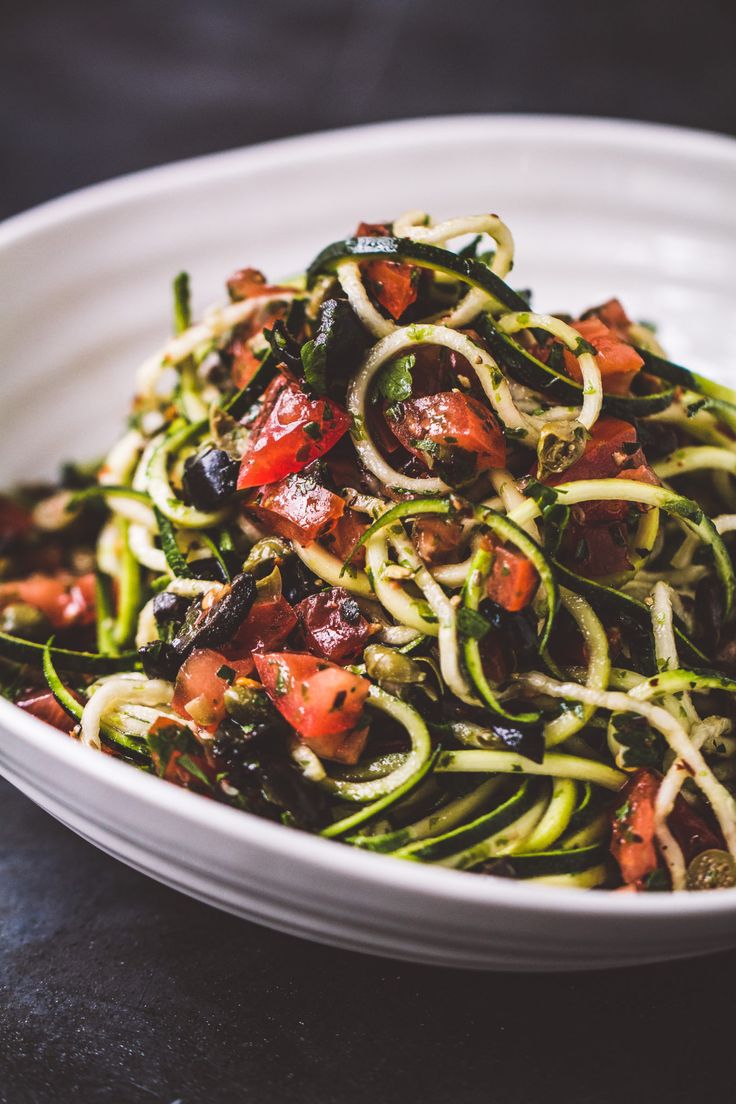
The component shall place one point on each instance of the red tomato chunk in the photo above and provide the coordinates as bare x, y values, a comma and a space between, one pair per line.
453, 420
632, 827
392, 284
199, 694
295, 430
617, 361
43, 704
267, 625
322, 702
333, 625
67, 600
298, 508
513, 580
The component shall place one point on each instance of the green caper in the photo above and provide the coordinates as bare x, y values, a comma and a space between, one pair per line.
248, 703
560, 444
270, 548
387, 665
21, 619
713, 869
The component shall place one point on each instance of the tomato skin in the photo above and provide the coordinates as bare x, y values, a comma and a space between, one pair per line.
298, 508
392, 284
596, 550
632, 827
454, 420
321, 701
43, 704
513, 580
333, 625
66, 600
617, 361
199, 687
692, 832
267, 625
437, 539
283, 442
613, 315
610, 453
342, 540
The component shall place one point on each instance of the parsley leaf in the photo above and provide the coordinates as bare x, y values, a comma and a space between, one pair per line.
314, 363
395, 381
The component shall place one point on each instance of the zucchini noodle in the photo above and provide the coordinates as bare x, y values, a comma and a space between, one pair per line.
385, 555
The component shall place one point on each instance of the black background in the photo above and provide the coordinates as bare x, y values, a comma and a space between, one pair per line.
115, 989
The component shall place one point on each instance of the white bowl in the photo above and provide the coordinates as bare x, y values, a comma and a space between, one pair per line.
597, 208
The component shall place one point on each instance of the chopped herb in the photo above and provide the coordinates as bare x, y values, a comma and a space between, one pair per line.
395, 381
227, 673
472, 624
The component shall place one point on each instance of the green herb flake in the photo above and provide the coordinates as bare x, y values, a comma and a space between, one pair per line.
227, 673
395, 380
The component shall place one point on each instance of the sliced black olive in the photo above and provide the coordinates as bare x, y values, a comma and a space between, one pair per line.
168, 607
657, 439
209, 479
160, 660
297, 581
222, 620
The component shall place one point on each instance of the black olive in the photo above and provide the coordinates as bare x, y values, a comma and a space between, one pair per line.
350, 611
168, 607
297, 581
210, 568
209, 479
222, 620
160, 660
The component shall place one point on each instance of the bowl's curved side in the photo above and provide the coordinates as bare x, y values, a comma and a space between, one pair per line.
597, 209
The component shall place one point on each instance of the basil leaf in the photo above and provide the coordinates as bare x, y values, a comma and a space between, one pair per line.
394, 381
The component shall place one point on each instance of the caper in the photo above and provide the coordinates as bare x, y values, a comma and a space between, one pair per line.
270, 548
22, 619
713, 869
247, 703
560, 444
387, 665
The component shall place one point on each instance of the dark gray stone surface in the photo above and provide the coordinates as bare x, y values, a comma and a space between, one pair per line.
115, 989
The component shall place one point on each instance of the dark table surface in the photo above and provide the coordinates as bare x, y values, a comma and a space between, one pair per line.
113, 988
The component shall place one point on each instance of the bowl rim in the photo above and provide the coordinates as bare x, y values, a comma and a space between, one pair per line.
352, 863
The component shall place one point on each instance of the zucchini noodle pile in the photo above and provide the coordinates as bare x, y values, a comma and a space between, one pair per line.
388, 556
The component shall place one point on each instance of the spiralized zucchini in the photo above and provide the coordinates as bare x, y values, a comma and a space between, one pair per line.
502, 638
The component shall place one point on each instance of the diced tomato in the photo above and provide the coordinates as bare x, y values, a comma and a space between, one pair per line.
344, 537
617, 361
392, 284
321, 701
350, 748
513, 580
296, 430
453, 420
267, 626
43, 704
249, 282
610, 453
690, 830
333, 625
199, 694
613, 315
437, 539
632, 827
298, 508
67, 600
596, 550
15, 522
245, 362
